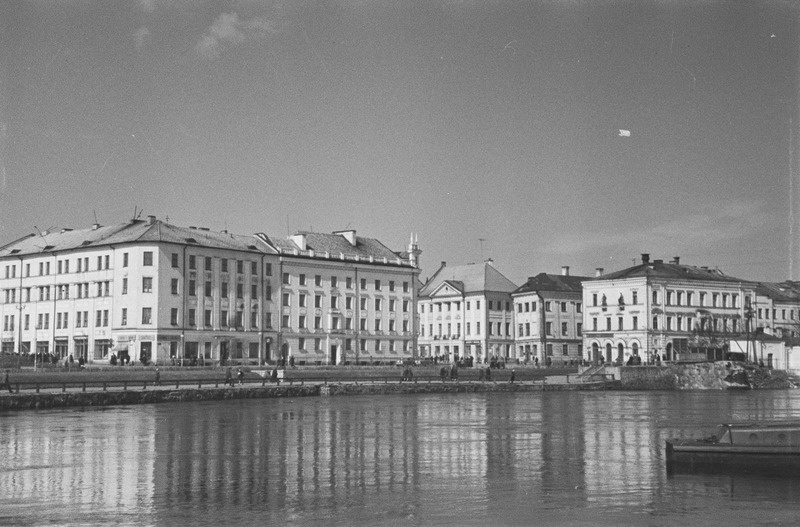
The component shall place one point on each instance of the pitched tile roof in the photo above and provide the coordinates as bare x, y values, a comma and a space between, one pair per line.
134, 231
553, 283
334, 244
788, 292
470, 278
662, 270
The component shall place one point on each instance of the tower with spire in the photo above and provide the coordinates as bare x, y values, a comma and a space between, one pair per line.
414, 251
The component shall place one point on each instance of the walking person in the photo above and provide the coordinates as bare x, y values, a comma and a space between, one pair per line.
240, 376
157, 380
7, 382
513, 374
228, 377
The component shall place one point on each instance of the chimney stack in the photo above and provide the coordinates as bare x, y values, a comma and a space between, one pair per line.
676, 260
564, 270
645, 258
599, 271
151, 220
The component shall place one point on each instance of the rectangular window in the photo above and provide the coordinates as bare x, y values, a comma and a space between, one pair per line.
405, 287
348, 282
318, 301
192, 261
302, 279
254, 268
173, 316
192, 288
334, 281
286, 299
147, 315
253, 291
377, 304
207, 288
224, 265
318, 280
635, 322
565, 349
317, 322
563, 307
286, 278
147, 258
223, 289
564, 329
239, 290
363, 283
173, 286
579, 329
147, 284
268, 269
192, 318
240, 266
377, 285
123, 322
619, 323
207, 322
548, 328
173, 260
608, 323
547, 306
334, 302
301, 300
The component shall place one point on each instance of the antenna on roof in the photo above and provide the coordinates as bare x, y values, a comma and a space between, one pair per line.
42, 235
481, 240
287, 226
140, 213
94, 211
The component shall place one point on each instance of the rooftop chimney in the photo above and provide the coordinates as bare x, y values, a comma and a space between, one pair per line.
349, 235
659, 262
645, 258
95, 226
598, 271
151, 220
676, 260
443, 263
564, 270
300, 240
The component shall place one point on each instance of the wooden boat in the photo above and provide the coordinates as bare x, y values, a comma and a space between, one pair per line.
772, 448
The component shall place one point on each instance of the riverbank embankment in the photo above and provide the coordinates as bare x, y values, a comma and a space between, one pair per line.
720, 375
153, 395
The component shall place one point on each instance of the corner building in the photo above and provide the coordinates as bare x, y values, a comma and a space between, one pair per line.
549, 317
150, 291
664, 311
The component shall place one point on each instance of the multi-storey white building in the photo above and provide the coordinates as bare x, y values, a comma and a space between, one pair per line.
777, 310
549, 317
345, 299
465, 312
151, 291
668, 310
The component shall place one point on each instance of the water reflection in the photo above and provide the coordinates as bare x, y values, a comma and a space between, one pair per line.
469, 459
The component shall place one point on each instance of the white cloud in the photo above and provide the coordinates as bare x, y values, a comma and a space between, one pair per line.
141, 36
229, 30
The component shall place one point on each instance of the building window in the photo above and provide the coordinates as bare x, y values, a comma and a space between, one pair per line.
634, 297
547, 306
147, 315
635, 322
548, 328
191, 317
377, 285
125, 260
207, 288
563, 307
565, 349
317, 301
123, 322
594, 299
173, 260
268, 269
286, 300
207, 318
286, 279
334, 281
564, 329
317, 280
192, 261
147, 284
174, 286
655, 322
348, 282
239, 290
173, 316
619, 323
608, 323
579, 329
147, 258
317, 322
240, 266
377, 304
223, 289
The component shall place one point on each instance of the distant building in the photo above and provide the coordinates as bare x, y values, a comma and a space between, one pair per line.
150, 291
776, 310
549, 317
665, 310
465, 311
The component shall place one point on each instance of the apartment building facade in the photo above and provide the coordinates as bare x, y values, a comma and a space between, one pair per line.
150, 291
466, 312
548, 312
663, 311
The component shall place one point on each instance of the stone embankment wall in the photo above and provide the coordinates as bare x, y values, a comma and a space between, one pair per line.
26, 401
703, 376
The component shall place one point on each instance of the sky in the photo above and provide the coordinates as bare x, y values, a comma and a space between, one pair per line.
489, 129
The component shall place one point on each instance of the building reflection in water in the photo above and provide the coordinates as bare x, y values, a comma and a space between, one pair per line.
488, 457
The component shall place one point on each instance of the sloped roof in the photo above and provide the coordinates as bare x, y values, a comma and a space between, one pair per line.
471, 278
335, 244
134, 231
553, 283
780, 292
659, 269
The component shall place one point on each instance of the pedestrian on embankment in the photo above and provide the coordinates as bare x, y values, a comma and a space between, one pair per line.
7, 381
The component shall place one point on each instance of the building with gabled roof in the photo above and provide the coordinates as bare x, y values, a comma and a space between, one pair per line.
548, 310
663, 311
465, 313
150, 291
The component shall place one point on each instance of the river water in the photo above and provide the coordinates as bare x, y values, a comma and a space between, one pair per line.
555, 458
